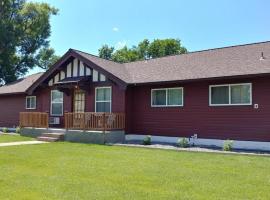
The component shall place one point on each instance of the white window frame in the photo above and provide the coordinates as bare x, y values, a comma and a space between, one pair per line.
29, 97
62, 113
110, 101
166, 89
230, 104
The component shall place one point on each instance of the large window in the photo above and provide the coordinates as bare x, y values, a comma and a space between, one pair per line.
30, 102
231, 94
167, 97
56, 103
103, 99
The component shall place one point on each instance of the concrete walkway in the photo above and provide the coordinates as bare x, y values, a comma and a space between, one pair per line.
6, 144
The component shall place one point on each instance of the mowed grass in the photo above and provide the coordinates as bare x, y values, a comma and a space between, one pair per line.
13, 138
82, 171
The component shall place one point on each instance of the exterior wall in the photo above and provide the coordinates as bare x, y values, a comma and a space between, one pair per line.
197, 117
10, 106
44, 100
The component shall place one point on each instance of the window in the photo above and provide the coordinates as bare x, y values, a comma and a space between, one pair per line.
231, 94
30, 102
167, 97
103, 99
56, 103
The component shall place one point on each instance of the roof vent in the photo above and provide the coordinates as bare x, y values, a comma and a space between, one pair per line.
262, 56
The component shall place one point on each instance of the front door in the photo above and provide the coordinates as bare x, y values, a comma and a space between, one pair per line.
79, 101
78, 108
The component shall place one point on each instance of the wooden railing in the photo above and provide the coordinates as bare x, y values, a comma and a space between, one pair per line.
34, 119
95, 121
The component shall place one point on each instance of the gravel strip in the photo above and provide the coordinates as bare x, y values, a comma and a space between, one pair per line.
192, 149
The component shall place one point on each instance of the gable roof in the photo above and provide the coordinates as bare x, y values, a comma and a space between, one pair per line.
222, 62
19, 86
241, 60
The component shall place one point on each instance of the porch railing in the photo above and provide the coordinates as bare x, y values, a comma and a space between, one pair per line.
95, 121
34, 119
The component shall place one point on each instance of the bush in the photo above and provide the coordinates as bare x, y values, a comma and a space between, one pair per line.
227, 145
147, 140
183, 142
5, 130
18, 130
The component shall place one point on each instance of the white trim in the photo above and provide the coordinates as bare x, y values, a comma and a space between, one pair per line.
166, 89
110, 101
95, 76
56, 102
27, 97
237, 144
230, 104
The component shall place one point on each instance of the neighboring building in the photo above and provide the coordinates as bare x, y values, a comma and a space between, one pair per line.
219, 93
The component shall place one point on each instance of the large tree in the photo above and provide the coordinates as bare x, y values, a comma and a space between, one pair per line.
144, 50
24, 32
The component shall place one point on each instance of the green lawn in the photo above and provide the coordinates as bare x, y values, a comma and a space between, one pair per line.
81, 171
13, 138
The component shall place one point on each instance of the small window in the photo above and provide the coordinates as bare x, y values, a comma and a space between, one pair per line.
30, 102
56, 103
167, 97
231, 94
103, 99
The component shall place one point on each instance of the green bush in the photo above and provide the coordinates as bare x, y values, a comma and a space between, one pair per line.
183, 142
5, 130
147, 140
18, 130
227, 145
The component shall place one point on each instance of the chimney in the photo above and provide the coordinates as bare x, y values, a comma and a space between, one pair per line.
262, 56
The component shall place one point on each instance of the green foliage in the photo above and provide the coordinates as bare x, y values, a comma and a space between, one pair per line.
24, 32
18, 130
125, 55
228, 145
147, 140
106, 52
5, 130
183, 142
145, 50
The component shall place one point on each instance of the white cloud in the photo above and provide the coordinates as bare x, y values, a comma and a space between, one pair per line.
115, 29
120, 44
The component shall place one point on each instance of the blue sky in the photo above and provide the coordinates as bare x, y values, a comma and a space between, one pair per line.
88, 24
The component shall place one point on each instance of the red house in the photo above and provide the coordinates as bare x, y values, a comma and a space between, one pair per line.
210, 95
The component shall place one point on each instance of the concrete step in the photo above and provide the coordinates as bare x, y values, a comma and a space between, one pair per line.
47, 139
59, 136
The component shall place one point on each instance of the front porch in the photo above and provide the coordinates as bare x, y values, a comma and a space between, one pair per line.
85, 127
76, 121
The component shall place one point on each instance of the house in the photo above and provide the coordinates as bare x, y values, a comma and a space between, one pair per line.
210, 95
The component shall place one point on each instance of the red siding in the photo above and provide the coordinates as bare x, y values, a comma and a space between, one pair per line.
10, 106
197, 117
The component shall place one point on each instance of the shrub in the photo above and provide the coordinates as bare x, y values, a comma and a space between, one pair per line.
5, 130
227, 145
18, 130
147, 140
183, 142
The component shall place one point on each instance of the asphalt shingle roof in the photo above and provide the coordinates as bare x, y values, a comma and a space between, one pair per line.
213, 63
21, 85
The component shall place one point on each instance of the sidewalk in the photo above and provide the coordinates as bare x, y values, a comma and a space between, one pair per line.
6, 144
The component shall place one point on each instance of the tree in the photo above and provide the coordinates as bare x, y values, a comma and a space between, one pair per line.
145, 50
24, 33
159, 48
106, 52
125, 55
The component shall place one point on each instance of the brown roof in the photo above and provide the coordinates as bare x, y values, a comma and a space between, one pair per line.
19, 86
212, 63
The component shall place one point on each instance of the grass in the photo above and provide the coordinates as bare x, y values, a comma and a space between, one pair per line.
81, 171
13, 138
